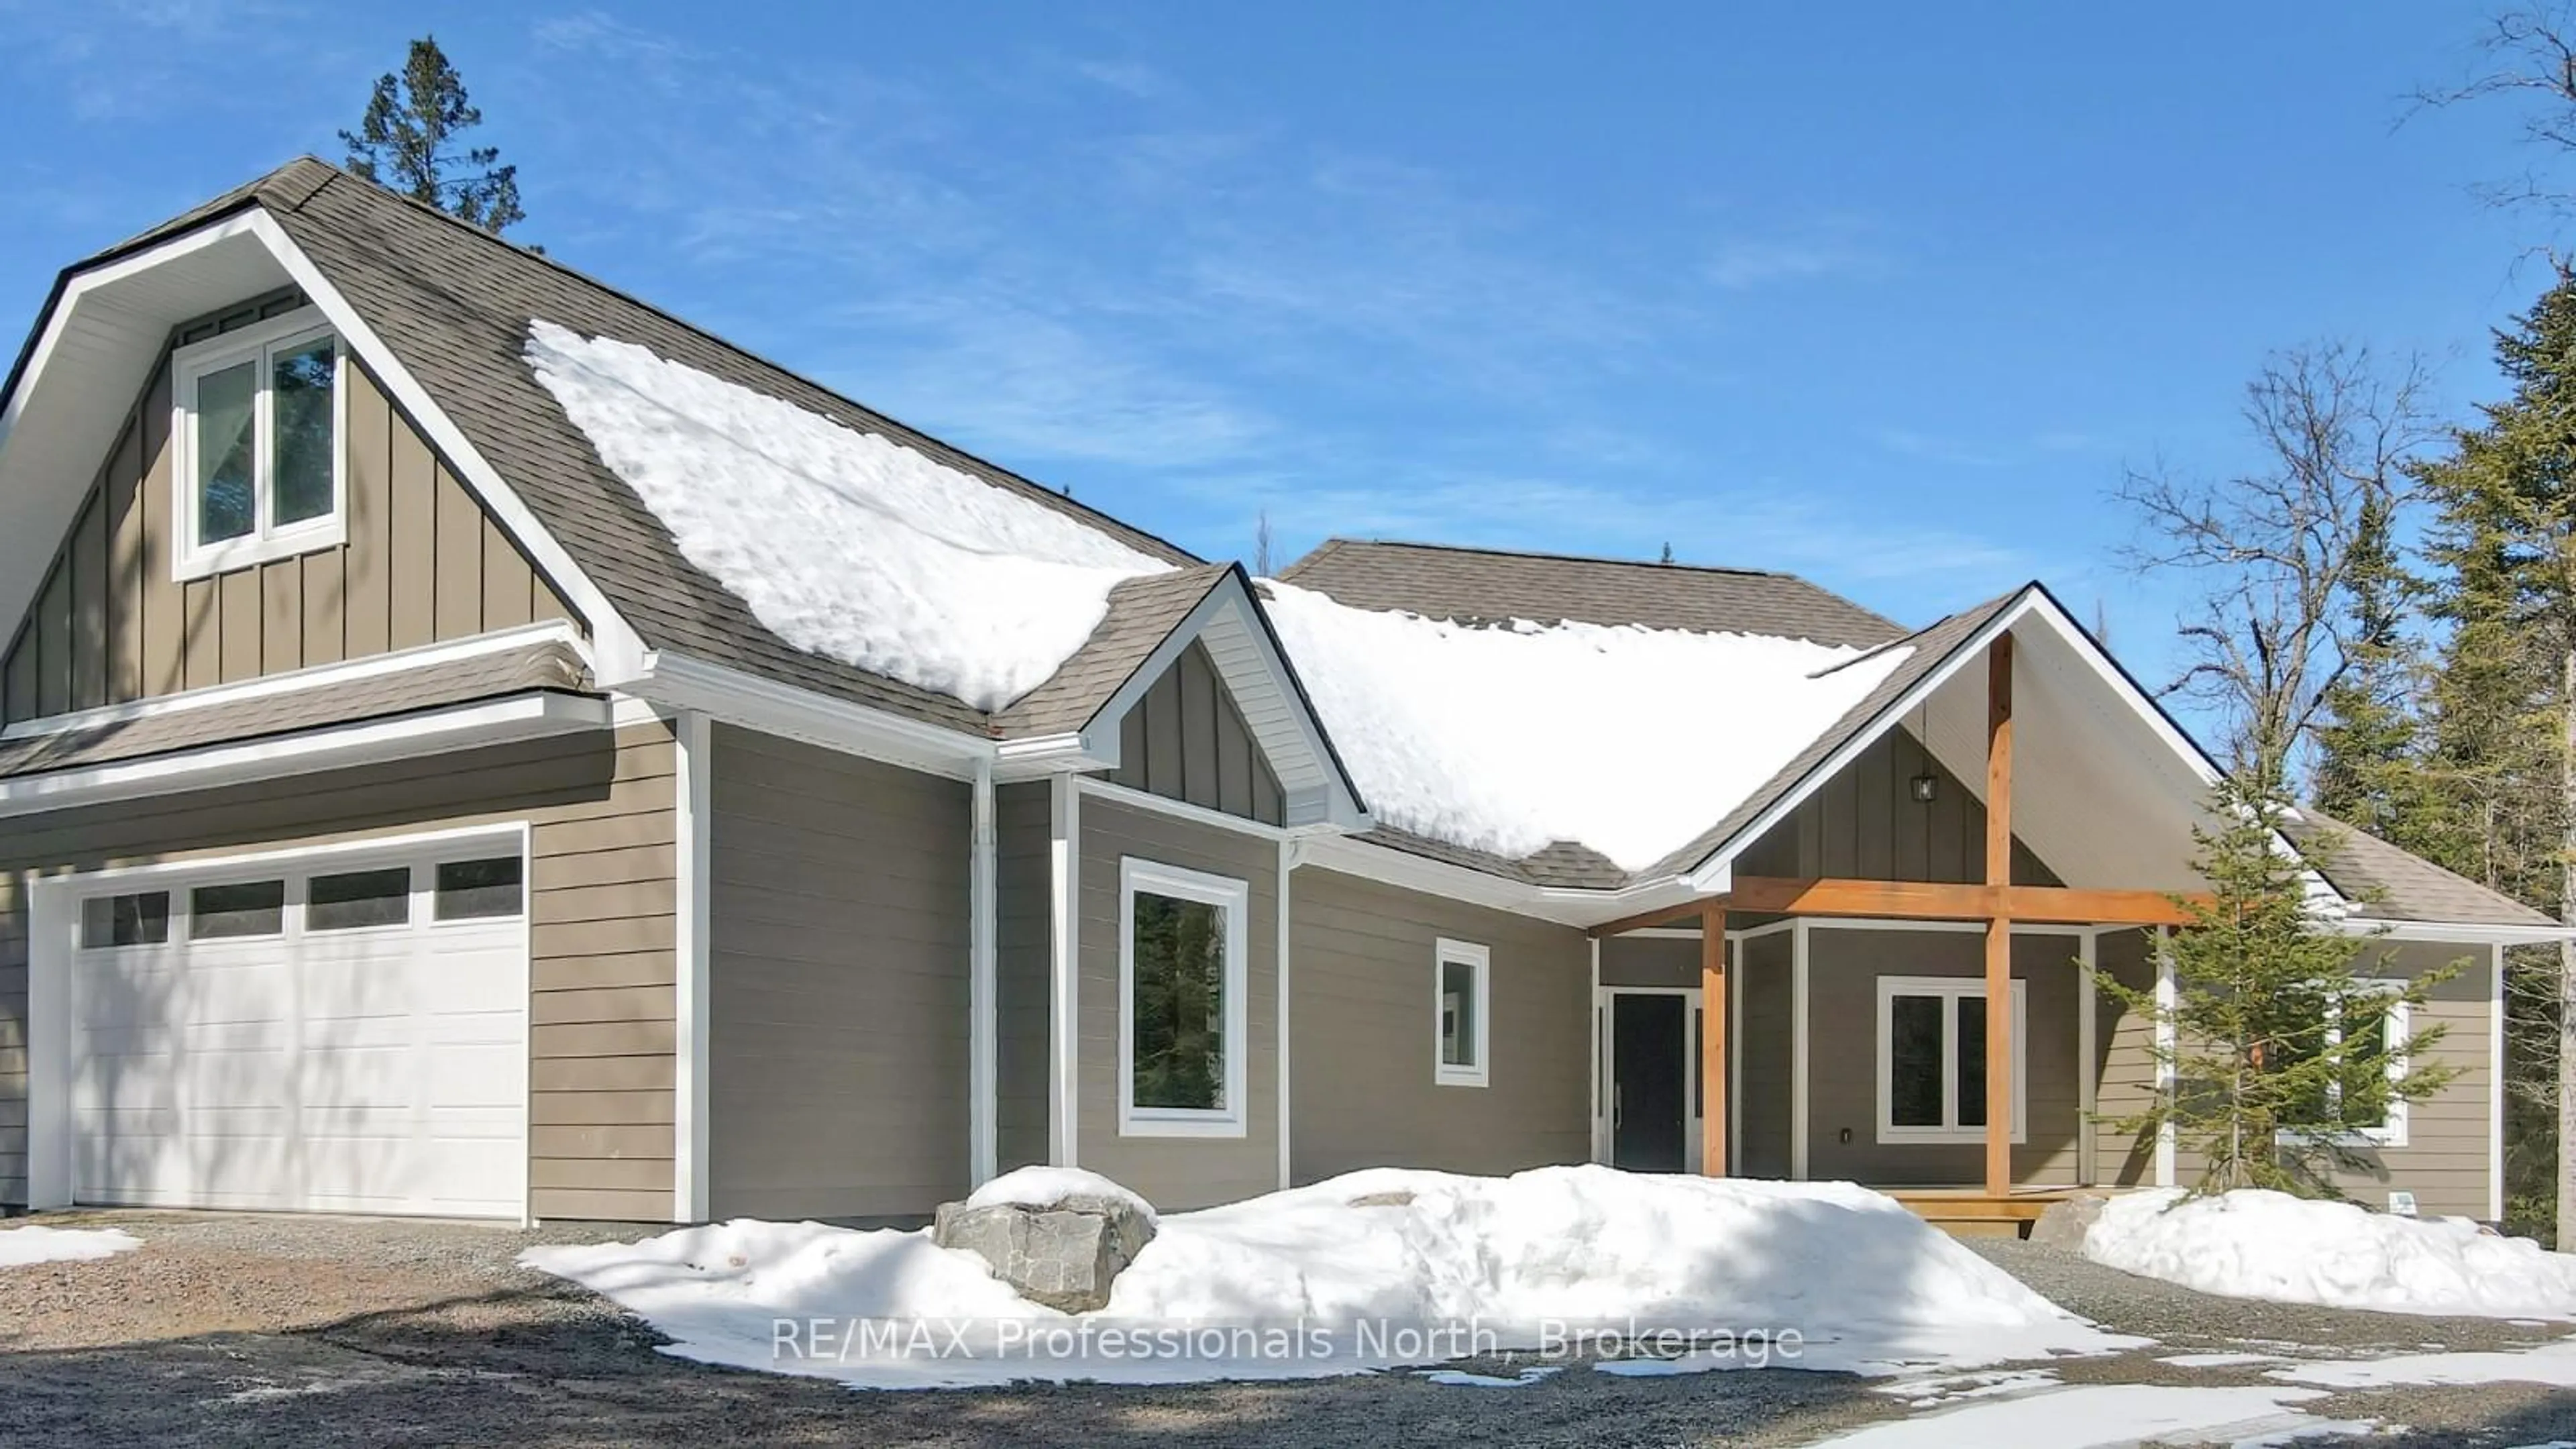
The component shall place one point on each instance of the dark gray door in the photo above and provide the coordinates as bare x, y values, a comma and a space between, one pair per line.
1649, 1091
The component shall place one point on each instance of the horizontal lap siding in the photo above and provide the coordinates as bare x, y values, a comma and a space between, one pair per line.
1175, 1172
1843, 971
422, 562
600, 967
1362, 1000
838, 961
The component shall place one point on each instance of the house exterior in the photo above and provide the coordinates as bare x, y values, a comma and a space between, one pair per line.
412, 801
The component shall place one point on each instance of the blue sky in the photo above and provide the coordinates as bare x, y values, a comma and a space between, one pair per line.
1883, 294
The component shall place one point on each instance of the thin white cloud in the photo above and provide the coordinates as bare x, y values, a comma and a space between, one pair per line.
1744, 263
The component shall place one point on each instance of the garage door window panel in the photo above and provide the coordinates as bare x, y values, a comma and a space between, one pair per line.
250, 908
141, 918
480, 889
359, 899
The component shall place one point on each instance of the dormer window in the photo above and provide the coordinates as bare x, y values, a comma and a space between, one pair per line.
257, 422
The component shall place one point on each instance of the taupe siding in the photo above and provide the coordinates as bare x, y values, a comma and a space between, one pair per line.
1843, 970
1023, 936
1176, 1172
422, 563
837, 965
2446, 1159
1762, 1044
1362, 1004
1866, 824
601, 944
1185, 740
1650, 961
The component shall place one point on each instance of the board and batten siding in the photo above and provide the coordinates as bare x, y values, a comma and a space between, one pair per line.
1186, 740
422, 563
838, 973
1175, 1172
1364, 1004
601, 944
2449, 1143
1865, 824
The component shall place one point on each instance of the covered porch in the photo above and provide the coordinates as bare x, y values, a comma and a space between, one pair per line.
1892, 985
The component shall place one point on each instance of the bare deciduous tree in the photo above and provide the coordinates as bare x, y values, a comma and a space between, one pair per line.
2526, 61
2275, 547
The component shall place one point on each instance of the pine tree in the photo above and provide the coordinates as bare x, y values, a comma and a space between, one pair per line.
402, 144
2504, 731
2275, 1044
2368, 770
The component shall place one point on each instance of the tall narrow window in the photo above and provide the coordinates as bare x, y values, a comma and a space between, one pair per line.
1460, 994
1182, 989
1932, 1059
258, 422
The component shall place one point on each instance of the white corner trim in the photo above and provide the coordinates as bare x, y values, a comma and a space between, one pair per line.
1480, 961
459, 727
1800, 1085
316, 676
982, 1008
1064, 971
2168, 1000
1234, 897
1288, 852
2088, 1003
756, 702
620, 649
692, 1168
1600, 1120
2495, 1089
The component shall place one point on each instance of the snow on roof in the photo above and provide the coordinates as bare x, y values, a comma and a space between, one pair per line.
1506, 739
844, 543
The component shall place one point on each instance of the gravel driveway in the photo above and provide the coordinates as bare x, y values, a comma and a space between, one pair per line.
261, 1330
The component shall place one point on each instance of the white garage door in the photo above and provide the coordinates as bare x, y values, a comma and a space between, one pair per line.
348, 1036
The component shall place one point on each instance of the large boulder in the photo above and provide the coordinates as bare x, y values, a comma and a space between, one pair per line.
2063, 1225
1057, 1237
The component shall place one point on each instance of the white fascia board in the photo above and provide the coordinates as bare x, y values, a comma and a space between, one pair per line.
461, 727
1565, 906
1039, 756
318, 676
756, 702
2465, 933
619, 650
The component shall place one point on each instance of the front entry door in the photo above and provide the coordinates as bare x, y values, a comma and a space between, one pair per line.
1649, 1082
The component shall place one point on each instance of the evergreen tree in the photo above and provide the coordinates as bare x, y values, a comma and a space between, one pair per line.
2277, 1048
2368, 772
2504, 731
403, 144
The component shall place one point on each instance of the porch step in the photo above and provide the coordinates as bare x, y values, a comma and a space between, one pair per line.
1965, 1213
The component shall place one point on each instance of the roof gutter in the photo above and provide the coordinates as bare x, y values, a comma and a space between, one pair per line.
738, 697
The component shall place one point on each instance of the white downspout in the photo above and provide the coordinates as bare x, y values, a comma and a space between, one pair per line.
983, 1021
2168, 999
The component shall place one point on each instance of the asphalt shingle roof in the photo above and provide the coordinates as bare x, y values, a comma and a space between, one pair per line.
2387, 883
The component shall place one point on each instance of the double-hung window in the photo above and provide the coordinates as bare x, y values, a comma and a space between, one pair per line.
1183, 1008
1460, 991
2366, 1033
257, 415
1932, 1059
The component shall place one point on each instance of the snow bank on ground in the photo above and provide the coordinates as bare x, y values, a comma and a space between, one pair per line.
2552, 1365
2101, 1416
844, 543
1043, 1187
1461, 733
2256, 1244
1372, 1270
35, 1243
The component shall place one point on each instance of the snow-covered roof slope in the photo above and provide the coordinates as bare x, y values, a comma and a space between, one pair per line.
1506, 739
844, 543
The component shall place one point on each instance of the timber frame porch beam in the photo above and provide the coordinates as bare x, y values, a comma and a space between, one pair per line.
1906, 900
1999, 843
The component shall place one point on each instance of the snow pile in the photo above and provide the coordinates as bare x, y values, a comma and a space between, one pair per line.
1044, 1187
843, 543
1373, 1270
1508, 738
27, 1246
2256, 1244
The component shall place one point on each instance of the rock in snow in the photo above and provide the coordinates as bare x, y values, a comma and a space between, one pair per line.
2256, 1244
1059, 1236
1308, 1283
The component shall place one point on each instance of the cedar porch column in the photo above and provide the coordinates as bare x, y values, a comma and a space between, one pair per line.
1999, 1016
1712, 1039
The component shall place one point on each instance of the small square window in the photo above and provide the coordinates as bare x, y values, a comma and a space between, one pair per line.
1461, 996
140, 919
1932, 1059
357, 899
256, 419
471, 889
252, 908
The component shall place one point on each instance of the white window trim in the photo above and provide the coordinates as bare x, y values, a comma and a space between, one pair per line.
2391, 1132
1234, 897
1952, 988
1481, 961
190, 559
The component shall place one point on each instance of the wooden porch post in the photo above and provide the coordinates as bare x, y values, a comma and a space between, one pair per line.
1999, 1016
1712, 1039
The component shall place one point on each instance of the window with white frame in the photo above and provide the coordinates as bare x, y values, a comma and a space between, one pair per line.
257, 415
1182, 1001
1932, 1059
2355, 1103
1461, 989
